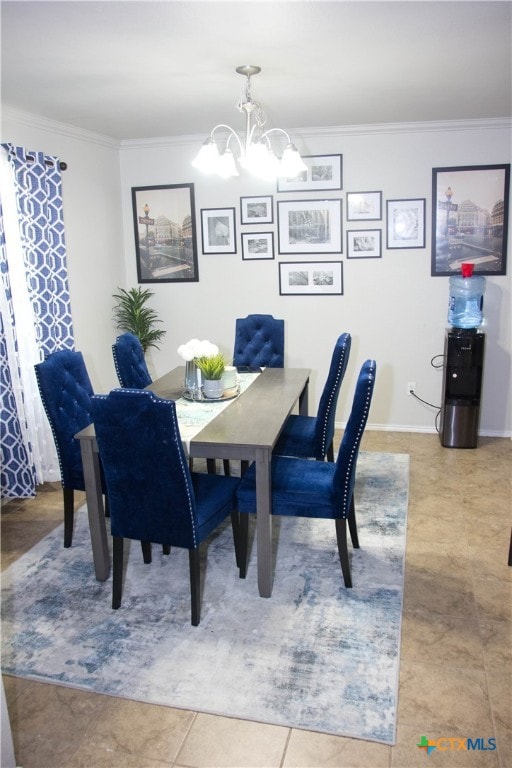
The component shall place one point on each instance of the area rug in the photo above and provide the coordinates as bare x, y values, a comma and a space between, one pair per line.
314, 656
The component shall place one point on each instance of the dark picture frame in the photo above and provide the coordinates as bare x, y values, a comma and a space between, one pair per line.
257, 209
364, 206
405, 223
165, 233
324, 172
314, 278
218, 230
364, 244
257, 245
309, 226
470, 218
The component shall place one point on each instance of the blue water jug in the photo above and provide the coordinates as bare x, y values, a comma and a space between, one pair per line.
466, 299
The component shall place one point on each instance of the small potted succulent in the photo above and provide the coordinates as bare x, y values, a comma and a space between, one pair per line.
205, 357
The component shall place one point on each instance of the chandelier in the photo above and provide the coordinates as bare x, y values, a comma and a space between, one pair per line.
255, 154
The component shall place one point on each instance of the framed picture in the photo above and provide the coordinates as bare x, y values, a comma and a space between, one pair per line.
470, 219
315, 278
257, 210
364, 206
323, 172
405, 223
218, 230
165, 233
364, 244
309, 226
257, 245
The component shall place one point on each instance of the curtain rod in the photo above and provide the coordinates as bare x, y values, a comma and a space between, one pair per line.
62, 165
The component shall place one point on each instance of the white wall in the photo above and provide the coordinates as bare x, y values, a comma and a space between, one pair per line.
394, 309
93, 222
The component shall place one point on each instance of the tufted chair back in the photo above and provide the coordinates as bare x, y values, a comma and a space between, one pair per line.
66, 392
130, 362
324, 431
259, 341
345, 473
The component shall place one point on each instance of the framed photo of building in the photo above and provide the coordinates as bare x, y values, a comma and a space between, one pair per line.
364, 206
309, 226
257, 210
315, 278
324, 172
165, 233
364, 244
470, 219
405, 223
257, 245
218, 230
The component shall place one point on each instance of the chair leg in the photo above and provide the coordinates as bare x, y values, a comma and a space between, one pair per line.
107, 506
352, 524
166, 549
235, 525
195, 585
341, 535
330, 452
227, 468
146, 551
117, 570
244, 466
210, 467
244, 545
69, 513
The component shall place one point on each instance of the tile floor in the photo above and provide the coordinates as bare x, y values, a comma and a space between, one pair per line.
455, 675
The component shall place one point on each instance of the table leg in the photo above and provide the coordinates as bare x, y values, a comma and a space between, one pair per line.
95, 510
303, 400
264, 521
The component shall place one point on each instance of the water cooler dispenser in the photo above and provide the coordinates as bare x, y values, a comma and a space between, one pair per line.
462, 387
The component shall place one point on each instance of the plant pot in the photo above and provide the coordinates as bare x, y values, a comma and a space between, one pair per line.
213, 388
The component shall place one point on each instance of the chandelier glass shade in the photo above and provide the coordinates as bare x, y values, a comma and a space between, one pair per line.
255, 153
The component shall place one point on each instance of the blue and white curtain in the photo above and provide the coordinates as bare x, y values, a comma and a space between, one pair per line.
35, 311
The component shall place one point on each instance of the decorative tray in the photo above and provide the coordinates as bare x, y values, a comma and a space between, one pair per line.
229, 394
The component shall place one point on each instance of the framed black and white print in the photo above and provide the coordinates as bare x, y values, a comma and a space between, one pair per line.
470, 219
165, 233
218, 230
315, 278
364, 206
309, 226
257, 245
323, 172
257, 210
364, 244
405, 223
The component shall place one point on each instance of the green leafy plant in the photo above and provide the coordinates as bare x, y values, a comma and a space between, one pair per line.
132, 314
211, 367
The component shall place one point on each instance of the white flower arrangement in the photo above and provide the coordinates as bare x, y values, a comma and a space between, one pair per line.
195, 349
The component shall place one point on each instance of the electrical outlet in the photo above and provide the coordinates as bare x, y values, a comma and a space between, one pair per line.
411, 387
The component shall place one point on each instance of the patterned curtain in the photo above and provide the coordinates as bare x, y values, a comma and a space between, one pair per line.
36, 314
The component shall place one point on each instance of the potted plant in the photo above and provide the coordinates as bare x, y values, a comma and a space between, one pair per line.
212, 368
132, 314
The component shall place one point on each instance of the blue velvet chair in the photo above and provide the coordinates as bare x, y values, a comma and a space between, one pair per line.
66, 392
130, 362
312, 436
153, 496
259, 342
302, 488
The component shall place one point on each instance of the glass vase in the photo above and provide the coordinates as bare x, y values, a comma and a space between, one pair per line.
192, 379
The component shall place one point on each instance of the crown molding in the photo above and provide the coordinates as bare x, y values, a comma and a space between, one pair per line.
335, 131
54, 127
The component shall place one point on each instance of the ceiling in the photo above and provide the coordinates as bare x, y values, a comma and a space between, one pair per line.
134, 69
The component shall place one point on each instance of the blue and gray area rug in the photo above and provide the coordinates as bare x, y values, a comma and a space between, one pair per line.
314, 656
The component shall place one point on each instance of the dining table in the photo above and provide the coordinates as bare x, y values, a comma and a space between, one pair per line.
244, 427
